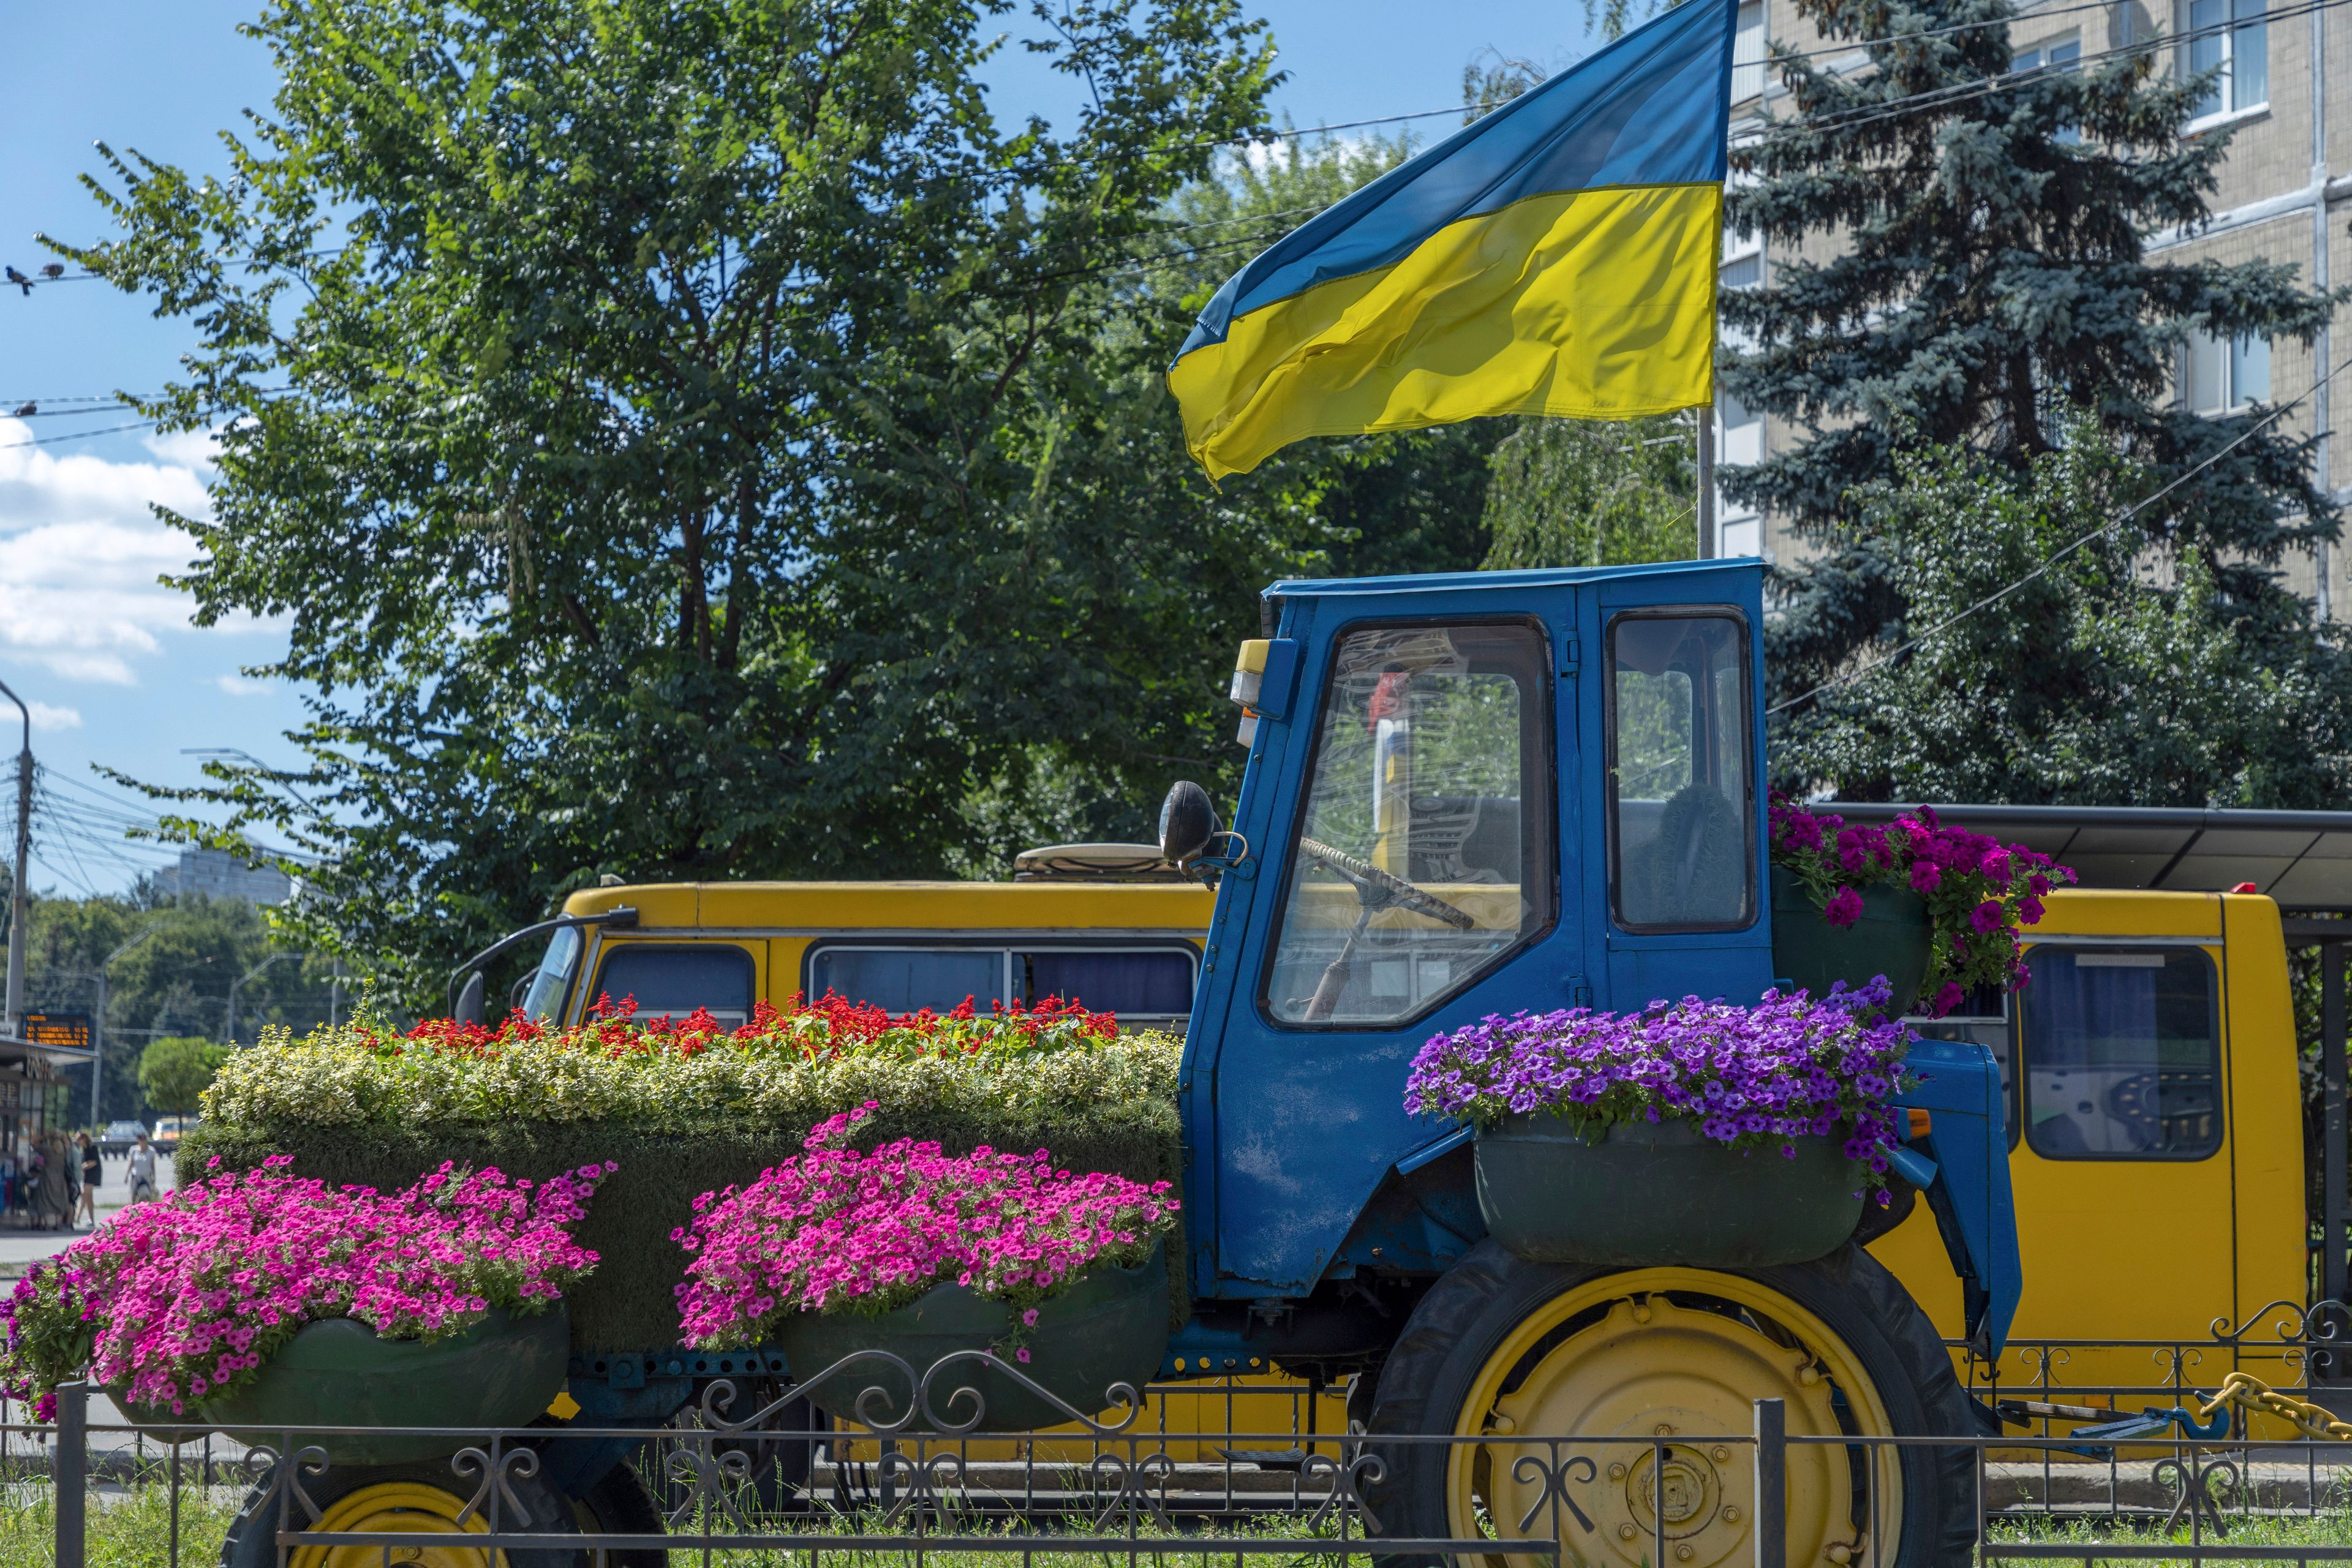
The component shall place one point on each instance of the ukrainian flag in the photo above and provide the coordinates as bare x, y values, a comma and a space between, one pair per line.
1556, 256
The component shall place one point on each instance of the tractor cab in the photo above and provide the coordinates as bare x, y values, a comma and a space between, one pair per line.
1466, 794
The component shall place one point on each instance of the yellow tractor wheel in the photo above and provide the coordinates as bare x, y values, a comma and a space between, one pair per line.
1659, 1370
428, 1499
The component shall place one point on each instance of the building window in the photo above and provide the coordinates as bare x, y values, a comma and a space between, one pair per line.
1738, 444
2222, 376
2062, 55
2227, 36
1747, 52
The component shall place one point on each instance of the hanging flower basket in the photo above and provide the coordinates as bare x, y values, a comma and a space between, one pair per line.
922, 1255
1887, 934
1111, 1327
1693, 1134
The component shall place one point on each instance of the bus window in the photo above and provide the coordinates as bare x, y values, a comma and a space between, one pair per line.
2123, 1054
1130, 984
673, 981
906, 979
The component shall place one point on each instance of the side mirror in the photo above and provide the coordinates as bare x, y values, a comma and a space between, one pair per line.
1187, 823
469, 1000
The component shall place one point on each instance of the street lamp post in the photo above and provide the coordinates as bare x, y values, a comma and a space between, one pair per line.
20, 903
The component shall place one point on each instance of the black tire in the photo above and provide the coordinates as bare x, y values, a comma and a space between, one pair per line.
1468, 1313
619, 1504
252, 1543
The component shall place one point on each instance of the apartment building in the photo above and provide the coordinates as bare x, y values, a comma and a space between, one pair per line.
2285, 194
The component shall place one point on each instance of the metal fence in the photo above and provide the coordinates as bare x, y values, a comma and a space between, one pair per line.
734, 1480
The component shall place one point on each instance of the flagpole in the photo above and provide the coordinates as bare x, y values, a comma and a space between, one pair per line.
1706, 421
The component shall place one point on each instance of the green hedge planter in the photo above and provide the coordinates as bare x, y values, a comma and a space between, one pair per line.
1890, 939
502, 1372
1110, 1327
1662, 1195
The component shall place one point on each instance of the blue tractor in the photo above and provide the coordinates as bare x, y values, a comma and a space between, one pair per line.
1477, 794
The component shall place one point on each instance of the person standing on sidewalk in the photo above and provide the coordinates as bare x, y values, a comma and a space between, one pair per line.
92, 1169
143, 1170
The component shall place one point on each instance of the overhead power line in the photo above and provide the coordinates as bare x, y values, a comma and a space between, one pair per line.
2126, 515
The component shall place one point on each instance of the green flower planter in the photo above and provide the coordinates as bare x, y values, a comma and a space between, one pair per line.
502, 1372
1890, 939
1110, 1327
1663, 1194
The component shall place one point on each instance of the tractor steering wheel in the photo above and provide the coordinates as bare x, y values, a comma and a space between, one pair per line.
1393, 889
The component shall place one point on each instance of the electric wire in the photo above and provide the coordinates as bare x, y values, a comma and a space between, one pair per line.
1948, 622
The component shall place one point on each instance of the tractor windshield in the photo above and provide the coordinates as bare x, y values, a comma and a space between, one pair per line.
1415, 867
1680, 808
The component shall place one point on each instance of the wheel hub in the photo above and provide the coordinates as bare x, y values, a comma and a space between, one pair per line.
1661, 1391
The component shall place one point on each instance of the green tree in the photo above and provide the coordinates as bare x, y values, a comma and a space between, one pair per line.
1989, 270
2098, 681
708, 444
175, 1071
1576, 492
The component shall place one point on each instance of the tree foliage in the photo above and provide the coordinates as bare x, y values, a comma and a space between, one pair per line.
175, 1071
1571, 492
690, 441
1987, 268
2110, 677
174, 959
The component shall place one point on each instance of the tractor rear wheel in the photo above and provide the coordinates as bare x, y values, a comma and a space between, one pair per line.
1514, 1351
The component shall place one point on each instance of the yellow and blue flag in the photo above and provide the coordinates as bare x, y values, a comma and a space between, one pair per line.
1556, 256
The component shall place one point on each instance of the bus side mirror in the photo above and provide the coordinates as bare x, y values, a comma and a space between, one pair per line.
1187, 823
469, 1000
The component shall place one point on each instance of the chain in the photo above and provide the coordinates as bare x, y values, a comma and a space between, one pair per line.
2244, 1389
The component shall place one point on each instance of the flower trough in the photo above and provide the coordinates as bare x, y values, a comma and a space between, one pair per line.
1699, 1134
982, 1291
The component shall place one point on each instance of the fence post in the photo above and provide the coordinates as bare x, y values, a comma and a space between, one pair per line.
68, 1470
1771, 1484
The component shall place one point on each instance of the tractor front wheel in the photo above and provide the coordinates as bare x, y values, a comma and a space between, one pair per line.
1654, 1369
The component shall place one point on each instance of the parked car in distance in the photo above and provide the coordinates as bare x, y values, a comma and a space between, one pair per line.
169, 1128
118, 1136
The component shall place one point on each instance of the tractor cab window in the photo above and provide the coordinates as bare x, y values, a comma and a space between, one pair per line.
2123, 1054
671, 981
1682, 845
1423, 848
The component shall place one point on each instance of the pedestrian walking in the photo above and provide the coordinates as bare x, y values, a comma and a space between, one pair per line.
143, 1170
92, 1169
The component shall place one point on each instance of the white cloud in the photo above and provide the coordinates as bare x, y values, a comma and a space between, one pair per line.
238, 686
80, 552
47, 718
183, 448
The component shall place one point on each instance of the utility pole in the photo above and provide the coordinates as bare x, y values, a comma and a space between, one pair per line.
20, 903
98, 1029
235, 985
1706, 415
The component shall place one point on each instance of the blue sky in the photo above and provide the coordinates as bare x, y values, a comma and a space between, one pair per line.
105, 654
